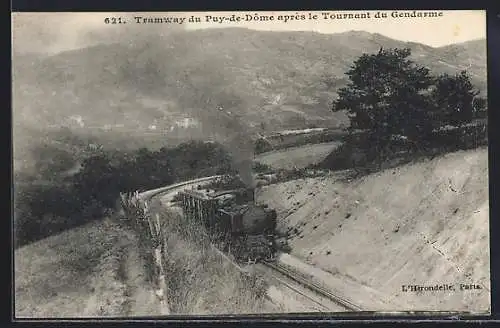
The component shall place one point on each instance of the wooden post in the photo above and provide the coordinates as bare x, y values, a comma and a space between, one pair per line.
196, 211
203, 212
191, 207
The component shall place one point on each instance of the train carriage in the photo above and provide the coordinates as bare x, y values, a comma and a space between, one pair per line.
247, 229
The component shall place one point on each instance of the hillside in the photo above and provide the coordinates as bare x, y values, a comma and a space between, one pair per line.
97, 267
100, 270
424, 223
173, 86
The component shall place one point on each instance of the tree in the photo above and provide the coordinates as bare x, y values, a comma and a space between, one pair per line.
95, 180
387, 94
454, 98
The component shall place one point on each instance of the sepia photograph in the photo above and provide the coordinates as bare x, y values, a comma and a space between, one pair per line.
250, 163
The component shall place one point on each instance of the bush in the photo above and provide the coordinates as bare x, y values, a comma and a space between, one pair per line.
262, 146
452, 139
354, 153
262, 168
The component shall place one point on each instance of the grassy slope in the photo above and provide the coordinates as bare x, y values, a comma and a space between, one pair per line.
98, 270
93, 270
200, 281
299, 157
400, 226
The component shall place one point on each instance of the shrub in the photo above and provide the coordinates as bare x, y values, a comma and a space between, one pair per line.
262, 146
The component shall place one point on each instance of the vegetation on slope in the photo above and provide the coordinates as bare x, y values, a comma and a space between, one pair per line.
91, 193
199, 279
82, 264
402, 108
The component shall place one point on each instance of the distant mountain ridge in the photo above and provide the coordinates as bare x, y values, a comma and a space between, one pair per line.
213, 77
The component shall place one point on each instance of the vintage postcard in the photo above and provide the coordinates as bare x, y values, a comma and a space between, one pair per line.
212, 163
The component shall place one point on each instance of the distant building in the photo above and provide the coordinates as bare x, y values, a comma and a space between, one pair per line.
78, 120
94, 147
186, 122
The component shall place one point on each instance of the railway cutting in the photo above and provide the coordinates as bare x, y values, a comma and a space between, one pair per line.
244, 233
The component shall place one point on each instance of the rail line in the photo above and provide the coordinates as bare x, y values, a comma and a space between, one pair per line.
281, 281
296, 290
148, 195
313, 286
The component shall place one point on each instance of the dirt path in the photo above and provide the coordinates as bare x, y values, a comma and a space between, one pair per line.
141, 300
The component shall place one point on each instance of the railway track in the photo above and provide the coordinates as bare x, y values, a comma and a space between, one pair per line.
147, 195
302, 282
349, 306
296, 289
322, 307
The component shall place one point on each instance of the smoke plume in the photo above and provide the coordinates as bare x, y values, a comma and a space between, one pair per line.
223, 126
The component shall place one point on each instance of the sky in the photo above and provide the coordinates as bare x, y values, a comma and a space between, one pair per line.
55, 32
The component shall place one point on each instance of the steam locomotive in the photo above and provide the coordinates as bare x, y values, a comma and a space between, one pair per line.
244, 229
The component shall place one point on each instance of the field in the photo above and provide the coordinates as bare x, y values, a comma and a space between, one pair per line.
424, 223
299, 157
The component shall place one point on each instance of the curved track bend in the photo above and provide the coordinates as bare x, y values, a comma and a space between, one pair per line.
322, 299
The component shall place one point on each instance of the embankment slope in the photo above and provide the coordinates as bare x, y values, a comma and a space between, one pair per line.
91, 271
424, 223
